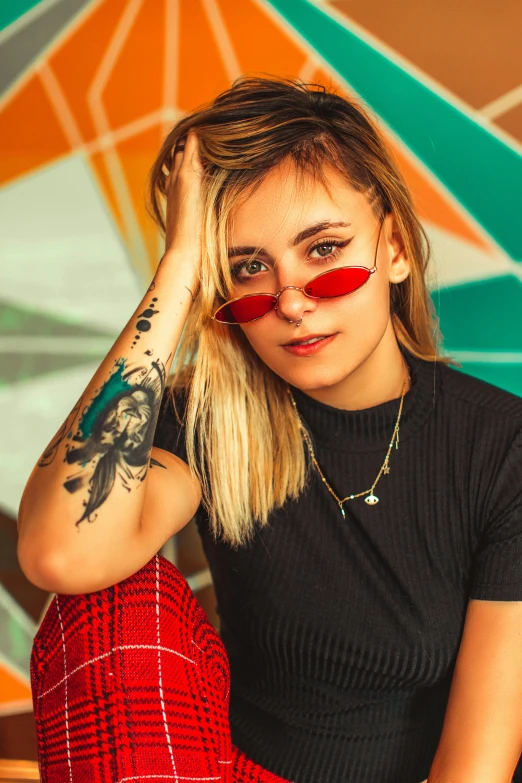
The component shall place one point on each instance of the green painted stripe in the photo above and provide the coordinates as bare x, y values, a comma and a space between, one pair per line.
478, 168
11, 10
484, 315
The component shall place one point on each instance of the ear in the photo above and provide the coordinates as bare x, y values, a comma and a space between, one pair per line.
398, 263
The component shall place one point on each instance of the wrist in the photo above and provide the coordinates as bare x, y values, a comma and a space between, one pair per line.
178, 269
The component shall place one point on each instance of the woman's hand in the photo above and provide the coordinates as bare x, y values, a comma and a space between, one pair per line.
184, 214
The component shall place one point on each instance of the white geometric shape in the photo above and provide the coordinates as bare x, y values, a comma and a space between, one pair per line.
503, 103
455, 261
61, 253
488, 357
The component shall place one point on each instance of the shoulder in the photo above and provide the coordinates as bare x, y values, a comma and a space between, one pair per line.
480, 400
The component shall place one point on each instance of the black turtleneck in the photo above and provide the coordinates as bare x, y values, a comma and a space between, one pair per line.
342, 634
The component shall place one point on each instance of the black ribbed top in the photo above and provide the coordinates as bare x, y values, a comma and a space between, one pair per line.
343, 633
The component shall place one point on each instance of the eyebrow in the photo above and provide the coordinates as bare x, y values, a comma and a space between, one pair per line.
248, 250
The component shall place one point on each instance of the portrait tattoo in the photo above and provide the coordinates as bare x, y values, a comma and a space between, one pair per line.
115, 434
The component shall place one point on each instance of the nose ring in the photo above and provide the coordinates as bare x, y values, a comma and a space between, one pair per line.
298, 322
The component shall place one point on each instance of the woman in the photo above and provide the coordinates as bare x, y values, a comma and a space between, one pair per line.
358, 499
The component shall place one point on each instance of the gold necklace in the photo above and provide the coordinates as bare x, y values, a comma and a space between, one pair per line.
372, 499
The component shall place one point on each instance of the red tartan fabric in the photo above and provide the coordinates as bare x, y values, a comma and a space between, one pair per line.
131, 683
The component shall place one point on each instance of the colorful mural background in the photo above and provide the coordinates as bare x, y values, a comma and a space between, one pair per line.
88, 89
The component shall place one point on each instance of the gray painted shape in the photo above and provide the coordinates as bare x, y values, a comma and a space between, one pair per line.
18, 51
23, 367
18, 320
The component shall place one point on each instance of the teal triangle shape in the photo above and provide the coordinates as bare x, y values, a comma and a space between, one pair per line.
483, 315
482, 171
481, 325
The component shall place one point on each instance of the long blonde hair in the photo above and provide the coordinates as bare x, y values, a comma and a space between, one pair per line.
243, 440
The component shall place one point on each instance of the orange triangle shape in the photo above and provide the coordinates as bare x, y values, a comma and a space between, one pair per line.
13, 687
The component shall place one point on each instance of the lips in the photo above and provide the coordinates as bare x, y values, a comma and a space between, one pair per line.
305, 348
306, 338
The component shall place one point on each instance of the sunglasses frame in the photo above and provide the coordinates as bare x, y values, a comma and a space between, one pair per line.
370, 271
294, 288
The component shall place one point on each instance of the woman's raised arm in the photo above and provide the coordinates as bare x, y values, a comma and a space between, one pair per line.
82, 525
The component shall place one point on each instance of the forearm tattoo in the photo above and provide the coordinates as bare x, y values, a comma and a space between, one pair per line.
143, 324
114, 435
65, 431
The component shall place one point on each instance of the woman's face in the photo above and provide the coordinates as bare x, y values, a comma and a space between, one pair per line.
341, 230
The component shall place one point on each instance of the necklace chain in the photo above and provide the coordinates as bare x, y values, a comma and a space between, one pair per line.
372, 499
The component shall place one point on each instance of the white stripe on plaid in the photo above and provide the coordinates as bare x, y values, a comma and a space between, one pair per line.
66, 702
165, 777
119, 647
160, 674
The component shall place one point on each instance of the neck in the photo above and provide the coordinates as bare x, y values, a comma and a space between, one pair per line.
378, 378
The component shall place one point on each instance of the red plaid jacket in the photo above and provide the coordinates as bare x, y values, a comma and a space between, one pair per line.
131, 684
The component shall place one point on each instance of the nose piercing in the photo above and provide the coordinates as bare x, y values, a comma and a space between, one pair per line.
298, 322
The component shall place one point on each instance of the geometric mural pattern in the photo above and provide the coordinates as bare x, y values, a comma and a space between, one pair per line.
88, 90
16, 637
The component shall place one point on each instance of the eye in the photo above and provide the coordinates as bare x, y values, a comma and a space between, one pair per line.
324, 250
245, 269
328, 248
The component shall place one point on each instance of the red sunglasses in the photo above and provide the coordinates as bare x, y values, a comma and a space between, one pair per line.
336, 282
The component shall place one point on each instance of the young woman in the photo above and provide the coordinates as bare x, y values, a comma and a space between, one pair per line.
359, 500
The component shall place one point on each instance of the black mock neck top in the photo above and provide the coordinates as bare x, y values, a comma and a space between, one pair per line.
342, 634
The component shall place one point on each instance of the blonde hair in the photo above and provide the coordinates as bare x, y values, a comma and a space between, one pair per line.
243, 439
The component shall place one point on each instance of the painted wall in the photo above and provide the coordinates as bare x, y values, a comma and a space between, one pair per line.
88, 89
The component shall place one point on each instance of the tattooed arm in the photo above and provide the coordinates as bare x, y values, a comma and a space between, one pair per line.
82, 525
82, 506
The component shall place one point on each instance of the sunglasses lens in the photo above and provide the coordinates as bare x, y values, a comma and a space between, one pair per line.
337, 282
248, 308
